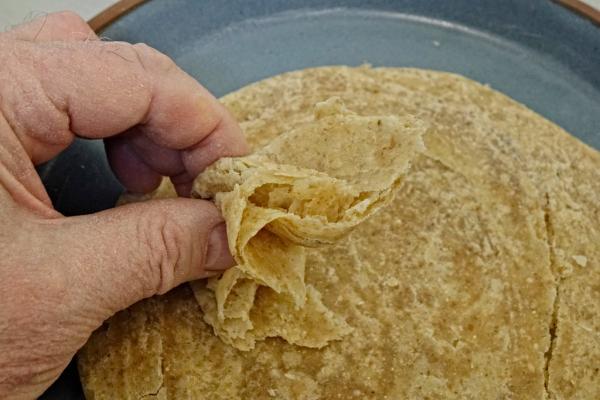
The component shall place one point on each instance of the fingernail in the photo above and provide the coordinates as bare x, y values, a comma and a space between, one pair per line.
218, 257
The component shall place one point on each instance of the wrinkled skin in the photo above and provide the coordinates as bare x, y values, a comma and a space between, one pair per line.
61, 277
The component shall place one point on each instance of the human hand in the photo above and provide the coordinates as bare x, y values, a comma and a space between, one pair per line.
61, 277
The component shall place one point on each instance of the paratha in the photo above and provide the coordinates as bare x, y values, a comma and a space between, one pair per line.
480, 279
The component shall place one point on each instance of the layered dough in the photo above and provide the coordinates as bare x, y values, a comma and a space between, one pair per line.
478, 280
307, 188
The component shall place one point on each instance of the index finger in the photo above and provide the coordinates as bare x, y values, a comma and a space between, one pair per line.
187, 129
99, 89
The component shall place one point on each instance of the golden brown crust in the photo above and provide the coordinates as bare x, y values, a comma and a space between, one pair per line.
481, 280
128, 364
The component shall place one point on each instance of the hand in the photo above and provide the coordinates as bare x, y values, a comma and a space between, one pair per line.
61, 277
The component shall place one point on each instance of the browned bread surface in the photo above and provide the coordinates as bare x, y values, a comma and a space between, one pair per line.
481, 280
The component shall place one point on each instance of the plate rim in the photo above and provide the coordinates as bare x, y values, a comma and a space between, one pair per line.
112, 13
123, 7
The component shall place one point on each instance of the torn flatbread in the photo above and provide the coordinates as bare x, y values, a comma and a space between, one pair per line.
308, 188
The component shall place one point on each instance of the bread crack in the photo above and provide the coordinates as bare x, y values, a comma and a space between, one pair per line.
552, 328
153, 395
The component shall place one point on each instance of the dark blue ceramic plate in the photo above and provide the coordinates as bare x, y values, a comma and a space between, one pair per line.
535, 51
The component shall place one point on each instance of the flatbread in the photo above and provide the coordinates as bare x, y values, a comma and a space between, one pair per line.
479, 280
307, 188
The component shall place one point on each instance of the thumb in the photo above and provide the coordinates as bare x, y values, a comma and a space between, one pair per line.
117, 257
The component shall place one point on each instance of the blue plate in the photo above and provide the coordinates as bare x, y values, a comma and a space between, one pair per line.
535, 51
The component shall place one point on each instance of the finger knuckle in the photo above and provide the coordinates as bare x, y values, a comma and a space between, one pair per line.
161, 239
24, 102
68, 18
152, 59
